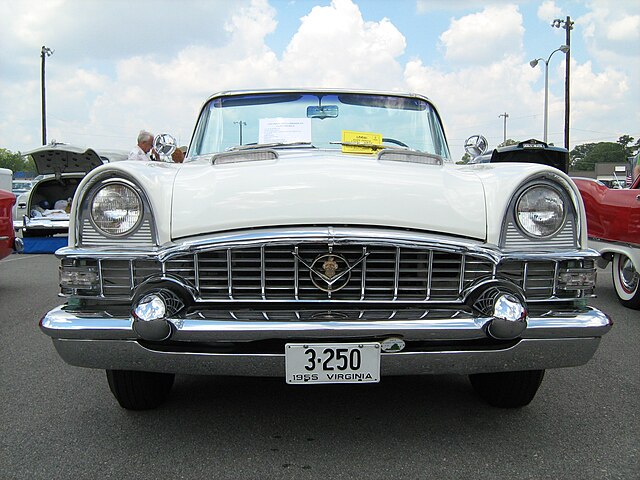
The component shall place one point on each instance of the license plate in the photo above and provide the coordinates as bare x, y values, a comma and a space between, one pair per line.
332, 362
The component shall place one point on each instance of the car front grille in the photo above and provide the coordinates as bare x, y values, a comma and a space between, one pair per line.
280, 272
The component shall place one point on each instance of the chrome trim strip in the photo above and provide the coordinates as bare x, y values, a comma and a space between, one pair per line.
317, 235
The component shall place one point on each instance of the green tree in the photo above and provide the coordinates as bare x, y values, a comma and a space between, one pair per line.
15, 161
507, 142
627, 143
464, 160
603, 152
578, 155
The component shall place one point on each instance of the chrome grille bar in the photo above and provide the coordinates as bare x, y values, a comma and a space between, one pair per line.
396, 274
229, 274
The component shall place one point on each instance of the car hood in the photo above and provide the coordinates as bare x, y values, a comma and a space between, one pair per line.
60, 158
325, 188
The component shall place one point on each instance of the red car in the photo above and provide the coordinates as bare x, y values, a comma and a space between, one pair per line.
8, 242
613, 225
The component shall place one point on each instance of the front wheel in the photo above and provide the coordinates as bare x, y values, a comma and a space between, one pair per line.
507, 389
626, 281
139, 390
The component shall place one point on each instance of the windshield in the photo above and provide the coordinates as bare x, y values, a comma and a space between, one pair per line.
319, 120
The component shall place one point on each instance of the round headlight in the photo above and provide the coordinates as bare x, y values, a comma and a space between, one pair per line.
540, 211
116, 210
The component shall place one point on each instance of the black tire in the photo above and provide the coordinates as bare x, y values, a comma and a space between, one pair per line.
626, 281
139, 390
507, 389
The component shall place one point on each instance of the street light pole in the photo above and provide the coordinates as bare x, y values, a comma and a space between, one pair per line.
44, 52
505, 115
534, 63
240, 124
568, 26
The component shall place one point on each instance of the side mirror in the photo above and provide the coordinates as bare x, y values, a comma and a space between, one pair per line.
476, 145
164, 144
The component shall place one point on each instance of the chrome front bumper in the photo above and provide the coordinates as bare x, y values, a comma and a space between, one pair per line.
98, 340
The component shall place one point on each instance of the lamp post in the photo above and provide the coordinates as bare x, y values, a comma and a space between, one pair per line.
568, 26
240, 124
505, 115
44, 53
534, 63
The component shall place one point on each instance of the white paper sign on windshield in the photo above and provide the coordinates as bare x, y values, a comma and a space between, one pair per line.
284, 130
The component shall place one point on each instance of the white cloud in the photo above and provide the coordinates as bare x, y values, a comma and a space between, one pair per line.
548, 11
423, 6
495, 32
612, 33
471, 99
335, 46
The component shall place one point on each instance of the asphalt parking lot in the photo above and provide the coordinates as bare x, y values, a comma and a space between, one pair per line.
59, 421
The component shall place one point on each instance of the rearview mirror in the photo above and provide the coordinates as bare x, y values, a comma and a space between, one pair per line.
326, 111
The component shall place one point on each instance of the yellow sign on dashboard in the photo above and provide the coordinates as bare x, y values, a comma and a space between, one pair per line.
361, 142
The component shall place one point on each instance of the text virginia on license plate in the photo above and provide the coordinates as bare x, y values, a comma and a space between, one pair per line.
332, 362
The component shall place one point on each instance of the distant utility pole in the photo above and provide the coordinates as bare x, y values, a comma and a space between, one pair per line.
240, 124
568, 26
505, 115
44, 52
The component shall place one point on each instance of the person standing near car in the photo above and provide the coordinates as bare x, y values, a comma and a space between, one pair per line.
143, 149
636, 167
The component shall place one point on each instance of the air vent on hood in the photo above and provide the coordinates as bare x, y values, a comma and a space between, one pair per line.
243, 156
411, 156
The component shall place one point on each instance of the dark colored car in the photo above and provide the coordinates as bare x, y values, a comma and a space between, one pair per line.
529, 151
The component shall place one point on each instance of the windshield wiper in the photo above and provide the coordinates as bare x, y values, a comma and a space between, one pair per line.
373, 146
252, 146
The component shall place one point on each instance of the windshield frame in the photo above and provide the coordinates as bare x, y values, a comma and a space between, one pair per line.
430, 129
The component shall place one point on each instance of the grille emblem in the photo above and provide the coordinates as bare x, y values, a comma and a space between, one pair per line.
330, 267
330, 272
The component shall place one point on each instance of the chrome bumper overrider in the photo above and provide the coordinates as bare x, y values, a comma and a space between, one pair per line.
99, 340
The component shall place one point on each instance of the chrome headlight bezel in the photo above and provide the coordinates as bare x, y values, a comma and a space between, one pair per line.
567, 237
127, 193
88, 234
536, 226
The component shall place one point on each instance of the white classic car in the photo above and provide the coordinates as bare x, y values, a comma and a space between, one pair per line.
325, 236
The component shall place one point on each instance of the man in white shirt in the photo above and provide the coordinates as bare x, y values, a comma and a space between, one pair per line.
143, 149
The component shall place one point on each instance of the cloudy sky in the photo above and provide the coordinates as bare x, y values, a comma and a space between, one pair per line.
120, 66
